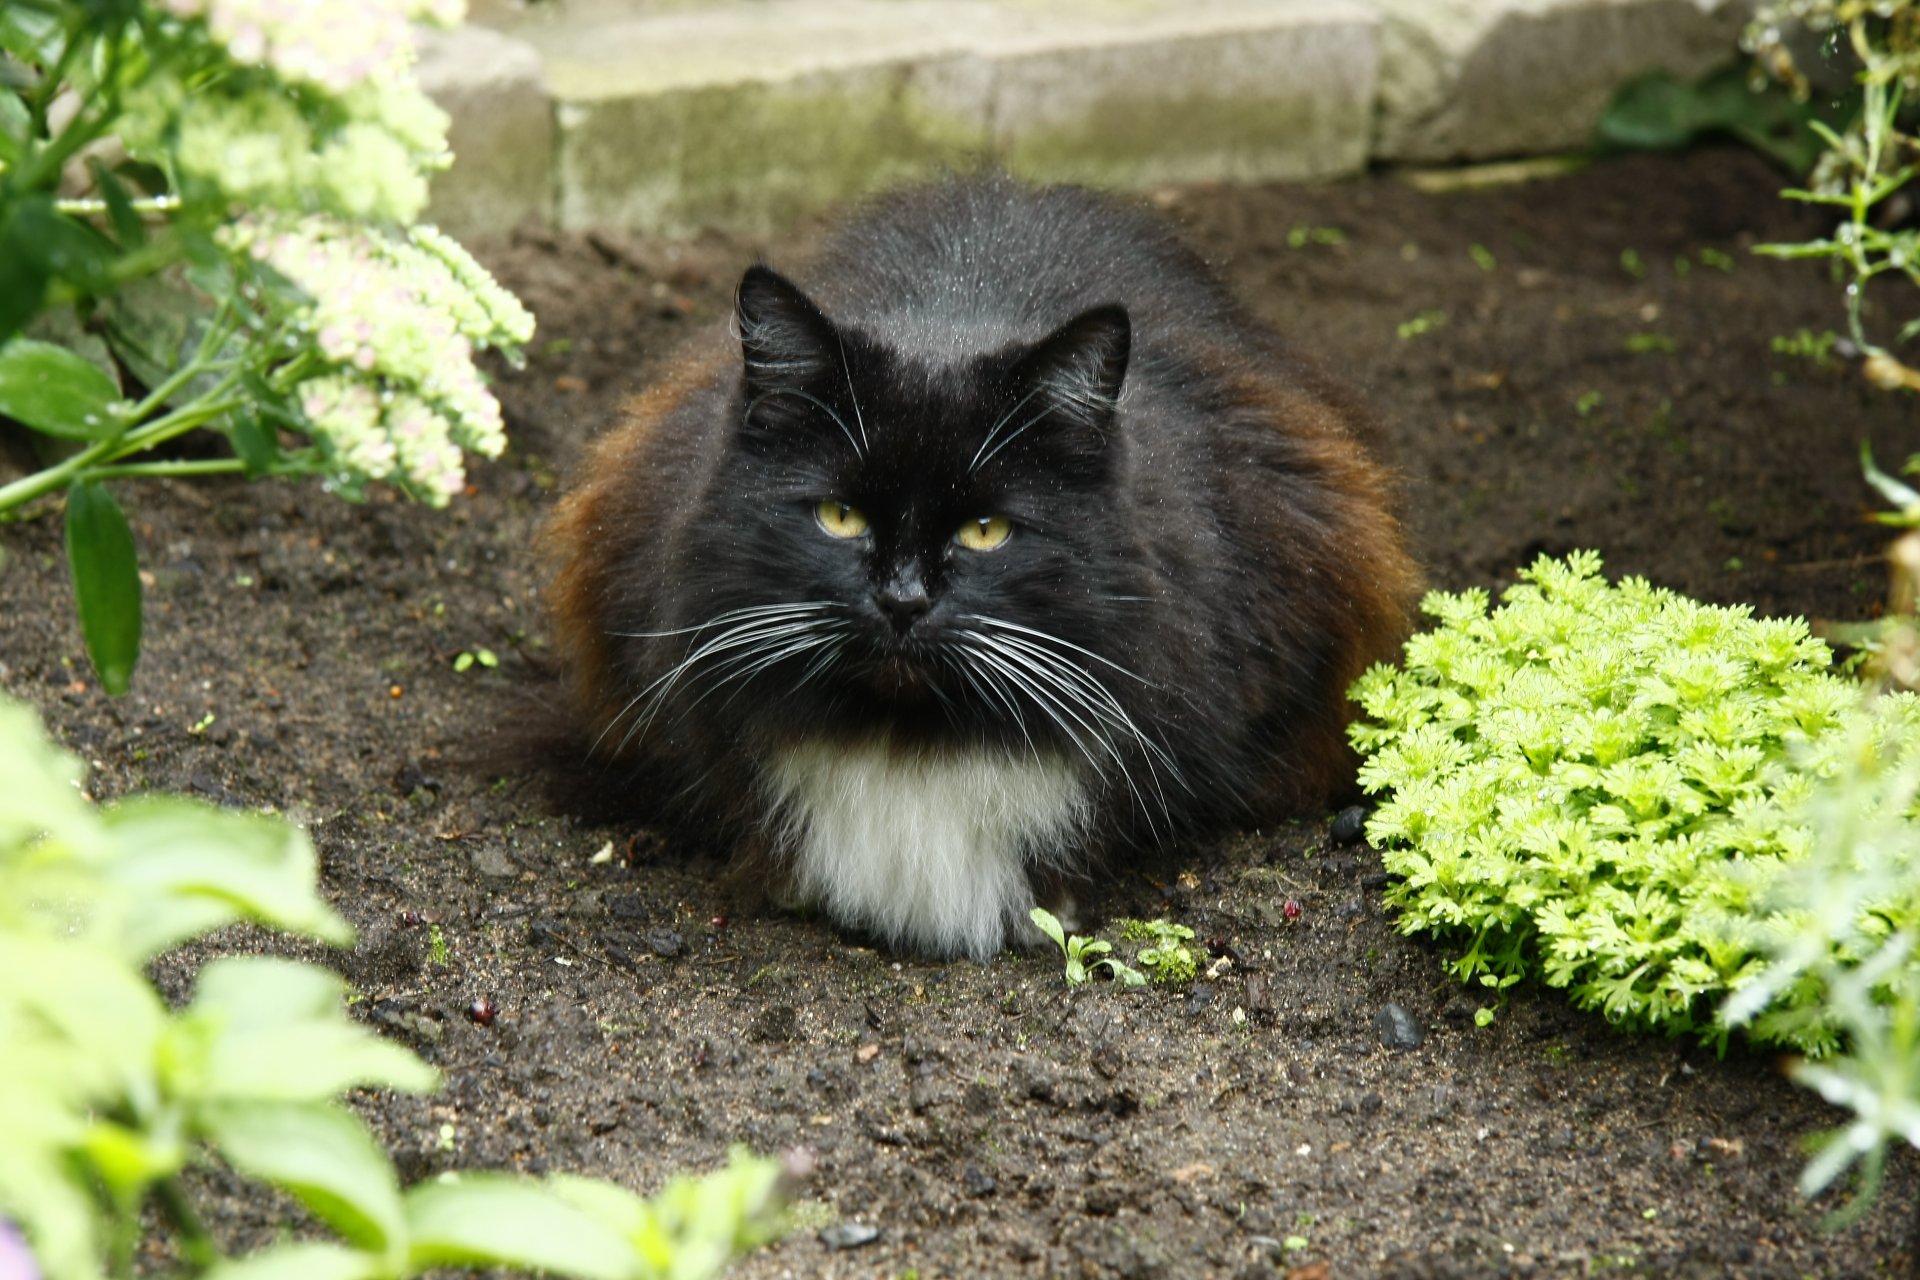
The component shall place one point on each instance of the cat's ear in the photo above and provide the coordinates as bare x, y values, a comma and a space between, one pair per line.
784, 338
1081, 365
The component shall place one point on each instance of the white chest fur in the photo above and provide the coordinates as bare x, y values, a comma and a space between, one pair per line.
927, 850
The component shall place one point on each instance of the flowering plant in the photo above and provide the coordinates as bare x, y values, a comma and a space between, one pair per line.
207, 216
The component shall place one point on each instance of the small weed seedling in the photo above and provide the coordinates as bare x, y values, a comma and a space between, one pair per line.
1167, 959
1079, 951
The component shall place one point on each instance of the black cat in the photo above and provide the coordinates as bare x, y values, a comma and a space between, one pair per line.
1011, 543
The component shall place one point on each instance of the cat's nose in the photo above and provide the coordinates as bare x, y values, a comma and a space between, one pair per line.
904, 600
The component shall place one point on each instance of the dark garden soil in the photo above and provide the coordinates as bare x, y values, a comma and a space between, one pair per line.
1559, 365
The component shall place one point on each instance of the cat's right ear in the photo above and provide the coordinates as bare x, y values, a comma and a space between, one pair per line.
1081, 366
785, 340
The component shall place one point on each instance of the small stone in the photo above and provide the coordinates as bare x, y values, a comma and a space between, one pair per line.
1397, 1028
977, 1181
666, 943
1349, 826
848, 1235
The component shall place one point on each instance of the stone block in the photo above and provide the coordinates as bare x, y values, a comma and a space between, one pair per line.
750, 115
502, 131
1469, 79
1188, 93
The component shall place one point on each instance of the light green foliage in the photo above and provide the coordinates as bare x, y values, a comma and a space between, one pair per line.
1865, 164
1425, 322
1601, 785
106, 1094
242, 265
1081, 953
1849, 945
1167, 959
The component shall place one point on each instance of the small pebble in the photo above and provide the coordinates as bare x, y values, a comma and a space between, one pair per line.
666, 943
977, 1181
848, 1235
1349, 826
1397, 1028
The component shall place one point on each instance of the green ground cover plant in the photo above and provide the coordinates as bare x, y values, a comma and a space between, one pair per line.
107, 1096
208, 227
1603, 786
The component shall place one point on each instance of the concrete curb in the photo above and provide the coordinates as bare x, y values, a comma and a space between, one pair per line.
750, 113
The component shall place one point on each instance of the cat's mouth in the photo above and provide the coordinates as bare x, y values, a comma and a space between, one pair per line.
899, 678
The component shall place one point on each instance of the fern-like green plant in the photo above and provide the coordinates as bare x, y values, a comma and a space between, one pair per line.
1600, 786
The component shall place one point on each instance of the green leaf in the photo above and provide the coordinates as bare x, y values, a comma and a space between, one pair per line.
197, 868
254, 442
24, 274
15, 124
42, 795
324, 1155
31, 33
127, 225
1049, 924
308, 1261
106, 582
489, 1220
54, 390
266, 1029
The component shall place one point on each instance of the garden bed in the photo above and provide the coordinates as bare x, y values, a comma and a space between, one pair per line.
1551, 377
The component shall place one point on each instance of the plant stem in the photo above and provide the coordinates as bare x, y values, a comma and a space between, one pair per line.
81, 465
176, 467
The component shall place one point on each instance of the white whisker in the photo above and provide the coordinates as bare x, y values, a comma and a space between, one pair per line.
859, 446
994, 430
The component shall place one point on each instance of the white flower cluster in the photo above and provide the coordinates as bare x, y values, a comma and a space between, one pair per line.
246, 140
332, 44
397, 321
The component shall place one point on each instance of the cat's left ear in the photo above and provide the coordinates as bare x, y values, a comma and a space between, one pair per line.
1081, 366
784, 338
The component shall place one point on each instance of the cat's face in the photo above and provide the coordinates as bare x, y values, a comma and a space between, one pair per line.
930, 552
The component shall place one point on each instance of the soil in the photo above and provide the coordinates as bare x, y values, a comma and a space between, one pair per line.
1559, 364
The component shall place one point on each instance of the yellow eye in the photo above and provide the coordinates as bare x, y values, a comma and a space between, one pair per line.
988, 533
840, 520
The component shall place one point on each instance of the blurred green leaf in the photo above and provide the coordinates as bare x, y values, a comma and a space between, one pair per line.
324, 1155
54, 390
304, 1261
31, 32
488, 1220
23, 272
1656, 112
275, 1030
15, 123
196, 868
42, 795
106, 582
254, 442
67, 247
132, 232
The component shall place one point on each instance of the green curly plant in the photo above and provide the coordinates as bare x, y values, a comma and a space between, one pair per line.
1602, 785
107, 1096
